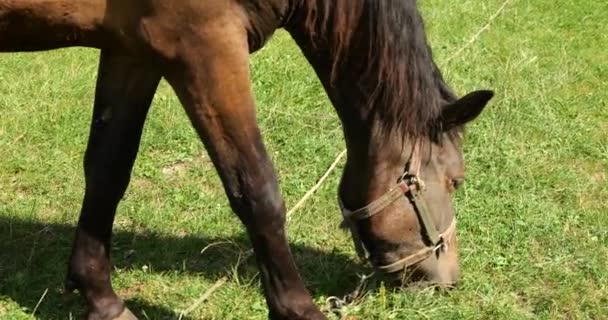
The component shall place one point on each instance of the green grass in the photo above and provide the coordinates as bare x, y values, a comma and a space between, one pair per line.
533, 223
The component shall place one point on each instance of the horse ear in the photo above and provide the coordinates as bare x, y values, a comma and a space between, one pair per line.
464, 109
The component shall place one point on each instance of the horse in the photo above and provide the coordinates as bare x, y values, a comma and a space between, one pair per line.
402, 125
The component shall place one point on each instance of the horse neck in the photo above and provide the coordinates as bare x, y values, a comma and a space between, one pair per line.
30, 25
409, 86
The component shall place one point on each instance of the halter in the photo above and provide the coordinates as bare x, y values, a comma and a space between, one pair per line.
409, 186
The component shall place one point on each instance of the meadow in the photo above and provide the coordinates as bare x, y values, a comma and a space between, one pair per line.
533, 213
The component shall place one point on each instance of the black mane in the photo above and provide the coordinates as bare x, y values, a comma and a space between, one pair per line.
384, 43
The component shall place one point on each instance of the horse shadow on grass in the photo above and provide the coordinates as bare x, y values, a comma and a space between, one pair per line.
34, 255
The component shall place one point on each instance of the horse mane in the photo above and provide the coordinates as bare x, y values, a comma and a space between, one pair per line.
384, 43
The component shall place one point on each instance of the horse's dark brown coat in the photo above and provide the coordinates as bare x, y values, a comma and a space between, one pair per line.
371, 56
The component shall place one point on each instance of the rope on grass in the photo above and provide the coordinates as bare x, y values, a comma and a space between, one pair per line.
478, 34
221, 281
204, 297
316, 186
40, 301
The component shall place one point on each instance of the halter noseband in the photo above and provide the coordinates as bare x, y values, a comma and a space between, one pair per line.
409, 186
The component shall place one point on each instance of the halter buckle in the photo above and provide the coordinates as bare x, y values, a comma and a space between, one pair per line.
412, 180
441, 246
404, 177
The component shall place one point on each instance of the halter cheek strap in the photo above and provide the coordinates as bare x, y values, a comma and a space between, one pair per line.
377, 205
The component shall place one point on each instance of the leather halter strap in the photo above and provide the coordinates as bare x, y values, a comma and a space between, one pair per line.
408, 186
377, 205
421, 254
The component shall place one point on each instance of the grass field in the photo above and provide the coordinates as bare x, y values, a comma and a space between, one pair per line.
533, 215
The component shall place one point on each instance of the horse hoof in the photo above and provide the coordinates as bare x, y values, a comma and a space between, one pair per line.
126, 315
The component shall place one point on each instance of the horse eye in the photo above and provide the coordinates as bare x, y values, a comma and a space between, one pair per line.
457, 182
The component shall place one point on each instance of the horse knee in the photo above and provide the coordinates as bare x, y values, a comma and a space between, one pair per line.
259, 205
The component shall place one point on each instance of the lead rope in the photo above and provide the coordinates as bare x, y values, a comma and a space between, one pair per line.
336, 304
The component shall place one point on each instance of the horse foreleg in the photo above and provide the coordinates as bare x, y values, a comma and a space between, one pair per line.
212, 82
125, 88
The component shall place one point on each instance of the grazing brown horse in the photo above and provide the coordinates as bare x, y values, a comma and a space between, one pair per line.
402, 124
